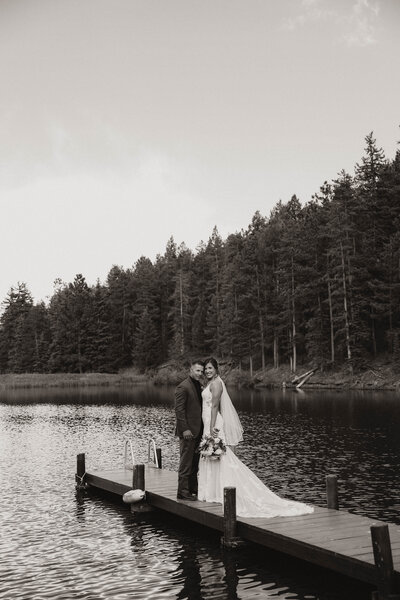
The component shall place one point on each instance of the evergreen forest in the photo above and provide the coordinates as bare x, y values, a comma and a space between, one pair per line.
315, 284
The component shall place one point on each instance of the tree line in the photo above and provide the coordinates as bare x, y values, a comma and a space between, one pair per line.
316, 284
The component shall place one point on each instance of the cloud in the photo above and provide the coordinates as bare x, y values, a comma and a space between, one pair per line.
354, 25
313, 11
362, 23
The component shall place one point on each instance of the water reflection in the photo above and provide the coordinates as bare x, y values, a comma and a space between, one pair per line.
147, 393
59, 544
201, 569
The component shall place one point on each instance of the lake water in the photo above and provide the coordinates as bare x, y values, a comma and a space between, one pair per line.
60, 545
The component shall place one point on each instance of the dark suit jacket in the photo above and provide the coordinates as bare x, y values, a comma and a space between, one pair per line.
187, 409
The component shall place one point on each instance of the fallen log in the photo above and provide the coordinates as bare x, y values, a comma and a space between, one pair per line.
306, 378
300, 377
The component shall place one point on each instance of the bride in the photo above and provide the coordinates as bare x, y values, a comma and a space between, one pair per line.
220, 420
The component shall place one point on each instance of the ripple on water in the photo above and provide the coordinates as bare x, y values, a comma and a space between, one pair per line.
56, 544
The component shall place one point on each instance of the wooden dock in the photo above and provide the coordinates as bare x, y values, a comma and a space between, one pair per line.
329, 538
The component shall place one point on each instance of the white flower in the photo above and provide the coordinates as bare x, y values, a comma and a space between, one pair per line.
218, 451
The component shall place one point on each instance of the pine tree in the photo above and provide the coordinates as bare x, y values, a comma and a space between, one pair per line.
144, 299
119, 308
39, 323
70, 314
287, 272
199, 301
346, 265
146, 352
165, 277
314, 317
180, 304
99, 341
368, 175
387, 298
372, 202
233, 338
214, 254
16, 339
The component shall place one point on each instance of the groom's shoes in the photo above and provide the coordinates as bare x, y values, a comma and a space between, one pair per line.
186, 496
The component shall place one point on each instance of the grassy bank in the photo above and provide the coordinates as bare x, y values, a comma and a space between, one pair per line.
380, 374
375, 376
49, 380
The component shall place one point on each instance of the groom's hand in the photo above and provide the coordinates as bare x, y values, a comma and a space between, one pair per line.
187, 435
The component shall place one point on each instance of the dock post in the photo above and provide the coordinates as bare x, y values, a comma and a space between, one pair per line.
384, 563
332, 492
138, 483
138, 478
230, 539
80, 472
159, 457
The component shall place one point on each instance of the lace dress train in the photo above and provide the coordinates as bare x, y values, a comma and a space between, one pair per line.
253, 498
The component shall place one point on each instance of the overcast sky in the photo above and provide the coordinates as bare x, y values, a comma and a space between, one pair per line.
124, 122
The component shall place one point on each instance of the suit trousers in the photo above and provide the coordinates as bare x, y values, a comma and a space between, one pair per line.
188, 466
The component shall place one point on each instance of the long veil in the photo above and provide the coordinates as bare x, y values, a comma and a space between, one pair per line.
232, 427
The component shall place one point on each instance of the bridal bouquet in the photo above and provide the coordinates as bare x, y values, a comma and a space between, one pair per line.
212, 448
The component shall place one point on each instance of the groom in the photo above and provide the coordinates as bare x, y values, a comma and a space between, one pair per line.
189, 427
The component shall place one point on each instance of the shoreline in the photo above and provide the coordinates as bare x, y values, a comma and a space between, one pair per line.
63, 380
380, 377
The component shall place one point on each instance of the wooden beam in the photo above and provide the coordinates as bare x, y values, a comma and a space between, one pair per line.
383, 561
138, 478
332, 492
230, 538
80, 472
159, 457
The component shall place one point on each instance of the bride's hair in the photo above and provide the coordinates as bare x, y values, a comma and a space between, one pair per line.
212, 361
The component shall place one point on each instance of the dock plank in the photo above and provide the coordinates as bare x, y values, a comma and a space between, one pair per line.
333, 539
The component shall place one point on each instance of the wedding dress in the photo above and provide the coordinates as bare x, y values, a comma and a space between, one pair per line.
253, 498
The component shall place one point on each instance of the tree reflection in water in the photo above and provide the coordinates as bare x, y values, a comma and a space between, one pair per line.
201, 569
